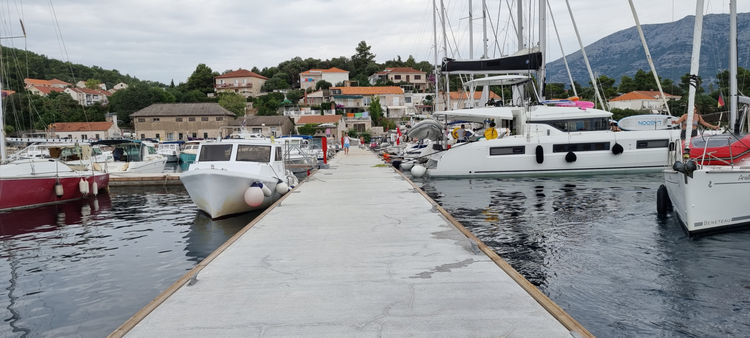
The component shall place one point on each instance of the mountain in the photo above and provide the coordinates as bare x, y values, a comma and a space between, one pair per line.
621, 54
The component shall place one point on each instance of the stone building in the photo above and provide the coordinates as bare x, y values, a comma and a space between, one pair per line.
264, 125
181, 121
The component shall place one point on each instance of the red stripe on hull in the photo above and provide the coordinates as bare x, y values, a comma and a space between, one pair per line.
28, 192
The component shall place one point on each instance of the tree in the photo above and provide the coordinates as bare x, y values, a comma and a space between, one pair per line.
276, 82
555, 90
93, 83
294, 95
376, 111
138, 96
202, 79
307, 129
268, 104
233, 102
323, 84
362, 59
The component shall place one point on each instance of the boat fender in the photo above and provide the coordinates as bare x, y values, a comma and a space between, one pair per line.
254, 196
407, 165
83, 186
418, 170
94, 188
663, 203
282, 188
539, 154
59, 189
617, 149
396, 164
264, 188
570, 157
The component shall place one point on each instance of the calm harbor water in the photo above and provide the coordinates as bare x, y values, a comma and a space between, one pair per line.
596, 247
83, 268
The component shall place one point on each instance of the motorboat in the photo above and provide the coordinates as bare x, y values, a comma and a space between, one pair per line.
704, 189
26, 183
232, 176
170, 150
189, 151
131, 156
549, 140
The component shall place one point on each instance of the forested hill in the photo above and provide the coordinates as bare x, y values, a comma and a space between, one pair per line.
670, 44
19, 64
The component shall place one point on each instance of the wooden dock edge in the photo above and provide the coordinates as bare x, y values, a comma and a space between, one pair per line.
555, 310
165, 179
153, 304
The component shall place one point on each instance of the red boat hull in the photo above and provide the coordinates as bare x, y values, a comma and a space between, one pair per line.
26, 192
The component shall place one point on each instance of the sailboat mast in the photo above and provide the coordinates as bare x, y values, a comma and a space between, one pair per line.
694, 63
542, 47
471, 31
733, 127
648, 55
520, 24
585, 57
434, 36
484, 28
445, 54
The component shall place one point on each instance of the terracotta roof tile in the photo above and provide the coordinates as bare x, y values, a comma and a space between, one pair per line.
329, 70
642, 95
241, 73
47, 90
80, 126
47, 83
369, 90
319, 119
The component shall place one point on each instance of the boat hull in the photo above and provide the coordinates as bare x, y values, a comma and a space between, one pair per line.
29, 192
220, 193
518, 155
710, 201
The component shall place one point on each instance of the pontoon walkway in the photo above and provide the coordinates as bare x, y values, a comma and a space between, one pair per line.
354, 251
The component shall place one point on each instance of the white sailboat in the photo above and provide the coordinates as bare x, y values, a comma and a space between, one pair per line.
551, 137
703, 189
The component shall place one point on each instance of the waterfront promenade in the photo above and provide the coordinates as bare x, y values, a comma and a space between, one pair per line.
356, 250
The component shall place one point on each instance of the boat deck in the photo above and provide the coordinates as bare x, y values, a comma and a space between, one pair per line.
356, 250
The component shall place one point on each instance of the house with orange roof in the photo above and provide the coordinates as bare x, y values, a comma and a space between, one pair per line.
88, 97
241, 81
407, 76
641, 100
335, 125
46, 83
333, 75
357, 99
7, 92
84, 130
460, 99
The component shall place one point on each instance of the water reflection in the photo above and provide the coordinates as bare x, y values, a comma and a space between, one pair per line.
82, 268
596, 246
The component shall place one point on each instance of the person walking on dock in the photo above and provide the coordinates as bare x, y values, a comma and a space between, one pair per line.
346, 144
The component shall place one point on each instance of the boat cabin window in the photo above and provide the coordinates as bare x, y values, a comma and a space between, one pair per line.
215, 152
713, 141
644, 144
496, 151
278, 154
253, 153
599, 123
96, 151
594, 146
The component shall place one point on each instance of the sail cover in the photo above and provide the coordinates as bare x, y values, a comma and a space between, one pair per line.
504, 65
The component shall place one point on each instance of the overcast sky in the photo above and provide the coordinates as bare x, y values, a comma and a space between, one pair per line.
161, 40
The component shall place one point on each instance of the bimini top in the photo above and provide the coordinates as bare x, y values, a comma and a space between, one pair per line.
499, 80
480, 114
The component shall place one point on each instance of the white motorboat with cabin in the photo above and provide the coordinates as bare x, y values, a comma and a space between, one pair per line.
170, 150
704, 189
131, 156
232, 176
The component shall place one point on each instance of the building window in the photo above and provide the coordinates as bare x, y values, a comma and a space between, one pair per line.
195, 135
97, 136
407, 99
257, 130
178, 119
70, 136
204, 118
180, 135
143, 136
417, 77
191, 119
219, 118
155, 119
84, 137
157, 136
397, 77
141, 119
205, 135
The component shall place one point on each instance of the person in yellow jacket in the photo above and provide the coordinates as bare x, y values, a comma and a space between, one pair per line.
490, 133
